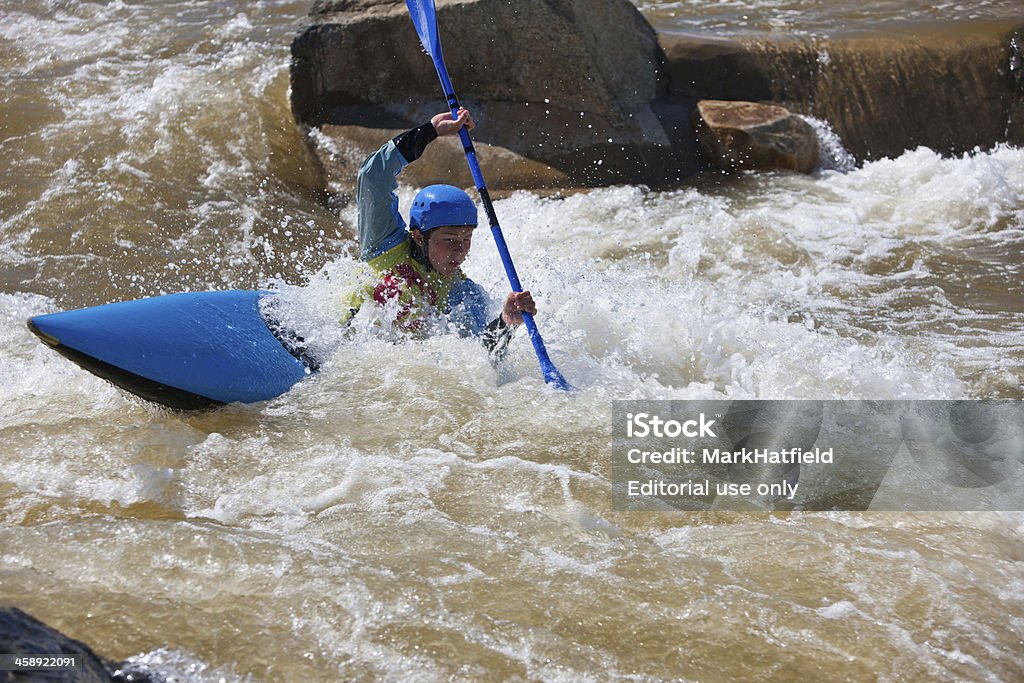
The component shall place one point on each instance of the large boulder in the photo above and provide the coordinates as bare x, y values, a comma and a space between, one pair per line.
567, 84
752, 136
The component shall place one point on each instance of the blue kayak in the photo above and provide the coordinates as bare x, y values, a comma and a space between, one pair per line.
186, 351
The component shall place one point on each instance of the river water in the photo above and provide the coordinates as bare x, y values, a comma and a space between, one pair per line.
410, 513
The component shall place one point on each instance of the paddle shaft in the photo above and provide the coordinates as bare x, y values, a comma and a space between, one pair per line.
551, 373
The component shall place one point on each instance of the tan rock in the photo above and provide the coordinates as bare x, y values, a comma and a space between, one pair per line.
748, 135
341, 149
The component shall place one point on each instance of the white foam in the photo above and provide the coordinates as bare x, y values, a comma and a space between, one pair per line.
842, 609
179, 666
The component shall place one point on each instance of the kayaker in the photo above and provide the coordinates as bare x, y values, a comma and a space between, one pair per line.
415, 273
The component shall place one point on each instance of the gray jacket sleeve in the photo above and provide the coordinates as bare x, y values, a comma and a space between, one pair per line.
381, 226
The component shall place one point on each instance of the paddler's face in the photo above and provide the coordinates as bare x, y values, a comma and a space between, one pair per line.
448, 247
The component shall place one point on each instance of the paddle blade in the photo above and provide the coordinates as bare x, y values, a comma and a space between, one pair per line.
424, 18
553, 377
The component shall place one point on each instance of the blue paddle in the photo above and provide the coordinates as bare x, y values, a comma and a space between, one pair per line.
424, 18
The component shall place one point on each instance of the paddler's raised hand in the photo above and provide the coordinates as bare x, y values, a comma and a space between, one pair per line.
516, 304
444, 124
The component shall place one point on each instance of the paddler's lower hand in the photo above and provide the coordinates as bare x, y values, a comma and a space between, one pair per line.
516, 304
444, 124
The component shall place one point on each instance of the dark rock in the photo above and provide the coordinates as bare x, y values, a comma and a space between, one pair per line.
23, 634
749, 136
703, 67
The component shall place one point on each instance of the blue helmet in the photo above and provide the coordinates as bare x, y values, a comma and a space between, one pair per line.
439, 206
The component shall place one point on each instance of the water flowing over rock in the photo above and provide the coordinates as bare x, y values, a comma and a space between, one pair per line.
565, 83
751, 136
1016, 61
949, 87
